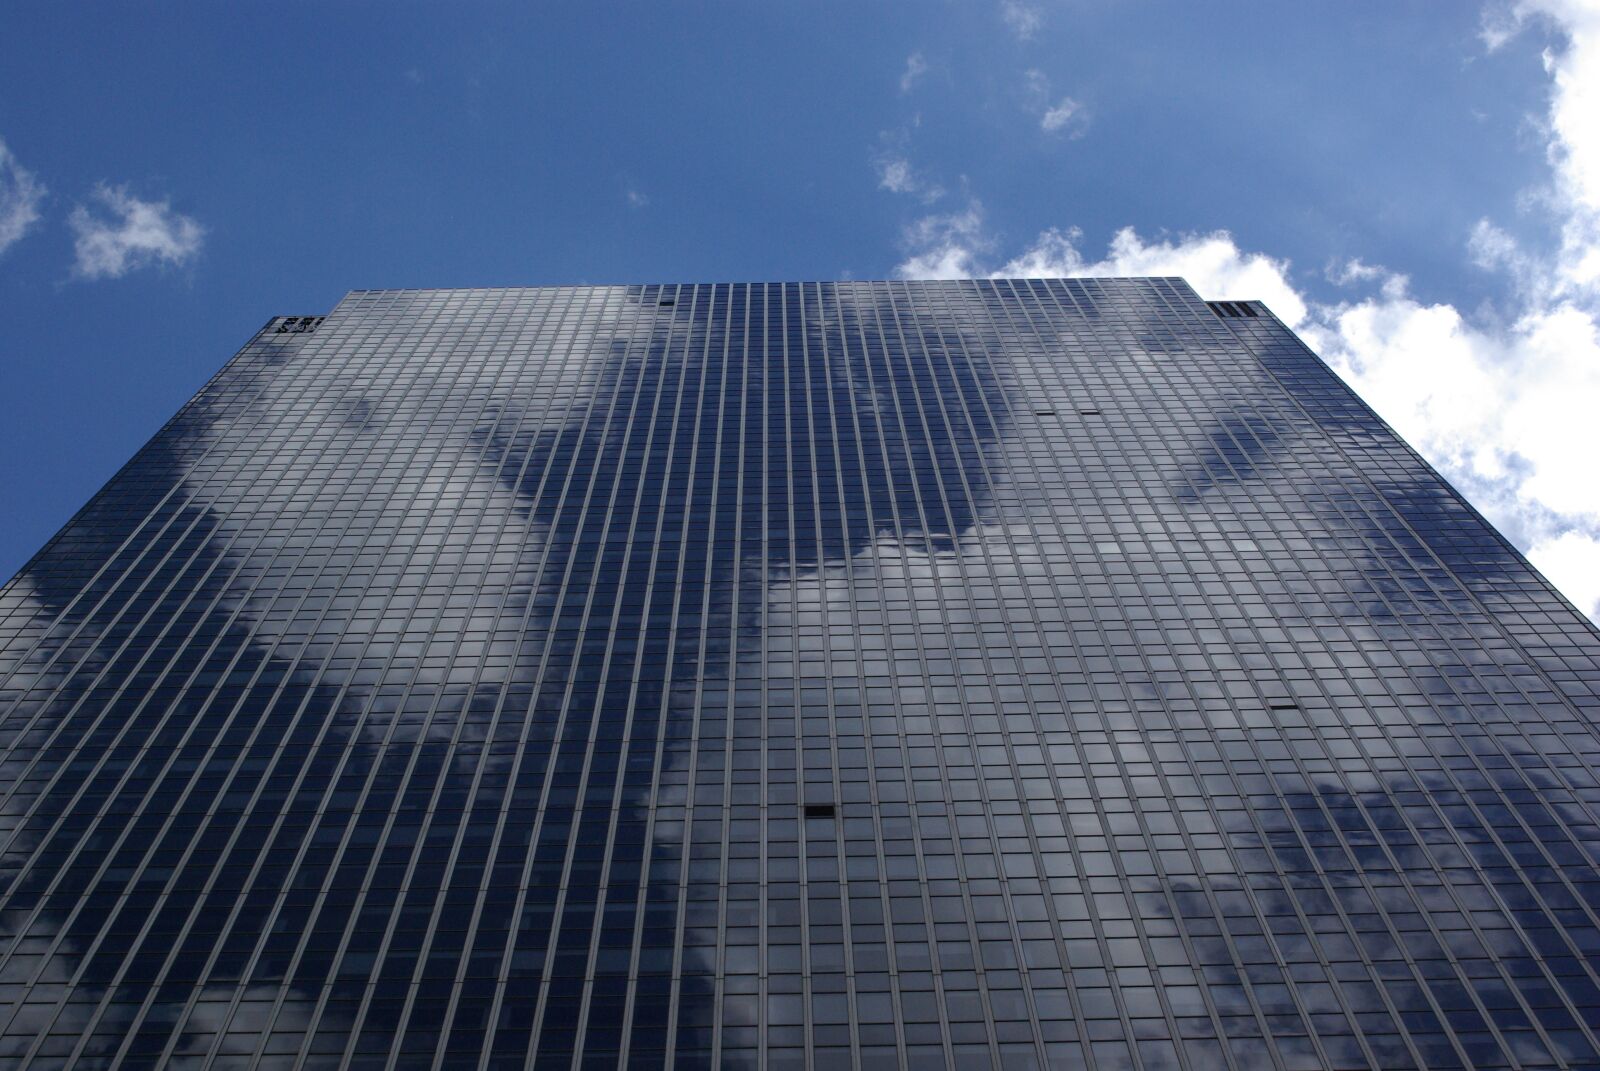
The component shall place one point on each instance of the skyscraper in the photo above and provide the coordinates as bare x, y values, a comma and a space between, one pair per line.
1013, 673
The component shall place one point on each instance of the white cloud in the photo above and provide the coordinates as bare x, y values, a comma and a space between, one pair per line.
1571, 561
136, 234
946, 246
1497, 25
636, 199
1056, 116
916, 67
1355, 271
20, 197
1573, 137
1575, 144
896, 173
1023, 18
1066, 116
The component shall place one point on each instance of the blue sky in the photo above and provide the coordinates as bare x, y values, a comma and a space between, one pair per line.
1410, 184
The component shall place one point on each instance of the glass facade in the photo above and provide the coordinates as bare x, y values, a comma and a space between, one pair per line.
1014, 673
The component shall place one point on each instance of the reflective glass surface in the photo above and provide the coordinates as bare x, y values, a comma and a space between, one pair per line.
1021, 674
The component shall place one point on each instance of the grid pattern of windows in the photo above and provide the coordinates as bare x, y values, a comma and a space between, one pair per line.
1017, 673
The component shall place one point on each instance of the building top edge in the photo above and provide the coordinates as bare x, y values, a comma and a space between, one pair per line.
1104, 280
1174, 286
